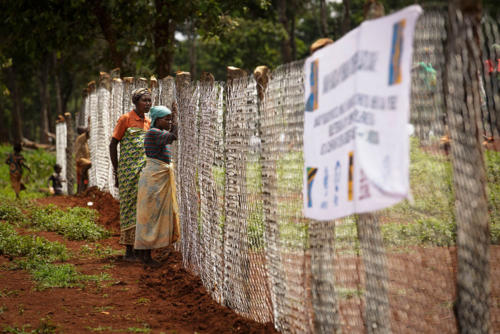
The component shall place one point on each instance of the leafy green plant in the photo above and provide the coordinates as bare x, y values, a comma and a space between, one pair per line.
74, 223
100, 329
36, 254
46, 326
48, 275
144, 329
98, 251
12, 244
143, 301
7, 293
348, 293
11, 213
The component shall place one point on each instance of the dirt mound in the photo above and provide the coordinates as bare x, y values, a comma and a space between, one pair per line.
172, 282
104, 203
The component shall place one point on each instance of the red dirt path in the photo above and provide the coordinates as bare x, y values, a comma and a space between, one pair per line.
167, 299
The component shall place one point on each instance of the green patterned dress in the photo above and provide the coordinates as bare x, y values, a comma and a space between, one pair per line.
132, 160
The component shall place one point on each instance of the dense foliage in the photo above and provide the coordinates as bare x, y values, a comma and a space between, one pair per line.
50, 49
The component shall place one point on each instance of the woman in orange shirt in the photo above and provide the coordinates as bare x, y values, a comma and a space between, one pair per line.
129, 132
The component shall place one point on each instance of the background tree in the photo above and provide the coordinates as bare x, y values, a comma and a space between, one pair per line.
50, 49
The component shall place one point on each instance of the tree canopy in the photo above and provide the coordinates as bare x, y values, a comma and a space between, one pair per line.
50, 49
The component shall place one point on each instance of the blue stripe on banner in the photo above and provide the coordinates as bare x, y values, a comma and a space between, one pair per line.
396, 52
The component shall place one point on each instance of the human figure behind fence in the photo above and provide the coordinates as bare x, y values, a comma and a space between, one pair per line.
129, 132
15, 160
157, 210
82, 159
56, 181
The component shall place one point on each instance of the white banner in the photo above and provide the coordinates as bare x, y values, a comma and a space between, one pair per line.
356, 144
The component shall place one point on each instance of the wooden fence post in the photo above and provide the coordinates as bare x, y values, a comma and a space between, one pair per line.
377, 308
70, 161
469, 174
377, 315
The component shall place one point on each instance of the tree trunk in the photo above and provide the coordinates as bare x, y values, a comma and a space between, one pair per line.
163, 39
286, 50
322, 18
4, 126
105, 22
192, 50
44, 98
346, 21
17, 130
293, 46
57, 86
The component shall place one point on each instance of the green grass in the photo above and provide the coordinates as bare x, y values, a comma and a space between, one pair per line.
98, 251
32, 247
144, 329
430, 218
255, 210
11, 211
292, 225
41, 162
49, 275
493, 189
45, 326
219, 176
347, 293
427, 220
255, 227
36, 255
8, 293
431, 185
74, 223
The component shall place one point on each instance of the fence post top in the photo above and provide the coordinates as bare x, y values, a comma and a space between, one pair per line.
115, 73
60, 119
182, 78
207, 77
235, 73
90, 86
153, 82
319, 43
104, 80
261, 75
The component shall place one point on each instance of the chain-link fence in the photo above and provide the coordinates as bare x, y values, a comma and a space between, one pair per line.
422, 266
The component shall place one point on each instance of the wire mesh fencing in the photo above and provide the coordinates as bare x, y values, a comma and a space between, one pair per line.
422, 266
61, 141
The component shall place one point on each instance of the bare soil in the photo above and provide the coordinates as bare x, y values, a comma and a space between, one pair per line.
167, 299
170, 299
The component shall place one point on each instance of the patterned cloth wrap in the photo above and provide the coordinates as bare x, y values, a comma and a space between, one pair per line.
157, 210
132, 160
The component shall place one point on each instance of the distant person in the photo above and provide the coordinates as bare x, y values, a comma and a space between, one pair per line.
56, 181
157, 211
82, 159
129, 132
16, 164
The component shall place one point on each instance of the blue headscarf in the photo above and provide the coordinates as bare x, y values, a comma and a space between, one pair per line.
158, 112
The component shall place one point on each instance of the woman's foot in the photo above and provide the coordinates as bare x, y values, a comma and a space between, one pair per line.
148, 260
129, 254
